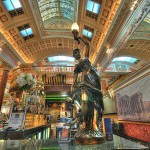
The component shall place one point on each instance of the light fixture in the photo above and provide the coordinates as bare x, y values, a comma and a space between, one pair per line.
75, 27
75, 32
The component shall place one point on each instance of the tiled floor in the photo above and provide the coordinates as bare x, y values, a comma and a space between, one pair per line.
53, 144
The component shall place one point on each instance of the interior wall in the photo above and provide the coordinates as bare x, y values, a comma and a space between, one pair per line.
133, 100
109, 105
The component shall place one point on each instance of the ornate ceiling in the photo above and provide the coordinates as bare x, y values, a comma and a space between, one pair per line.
49, 42
115, 27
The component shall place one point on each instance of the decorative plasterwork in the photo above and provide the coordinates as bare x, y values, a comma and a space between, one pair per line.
6, 66
7, 52
38, 47
31, 50
9, 31
60, 42
142, 32
129, 27
141, 73
62, 26
100, 26
50, 47
140, 49
58, 24
2, 42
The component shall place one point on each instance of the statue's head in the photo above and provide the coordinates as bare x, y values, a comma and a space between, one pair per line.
76, 53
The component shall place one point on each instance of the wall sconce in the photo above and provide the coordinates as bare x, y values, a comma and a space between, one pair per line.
75, 32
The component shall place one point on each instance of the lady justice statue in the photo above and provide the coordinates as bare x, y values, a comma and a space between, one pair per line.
87, 97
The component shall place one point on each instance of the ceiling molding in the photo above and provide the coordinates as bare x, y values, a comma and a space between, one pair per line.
8, 48
129, 27
145, 71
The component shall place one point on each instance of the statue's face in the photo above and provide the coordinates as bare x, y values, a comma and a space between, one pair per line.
76, 54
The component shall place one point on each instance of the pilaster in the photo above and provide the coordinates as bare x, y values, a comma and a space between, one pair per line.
3, 82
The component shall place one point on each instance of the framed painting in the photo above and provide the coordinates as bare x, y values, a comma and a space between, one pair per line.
133, 101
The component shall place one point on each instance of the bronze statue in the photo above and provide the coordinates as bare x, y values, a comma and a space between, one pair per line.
87, 97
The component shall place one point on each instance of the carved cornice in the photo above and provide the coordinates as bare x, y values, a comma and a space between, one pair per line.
129, 27
7, 54
113, 29
121, 17
136, 18
6, 59
6, 46
135, 76
18, 22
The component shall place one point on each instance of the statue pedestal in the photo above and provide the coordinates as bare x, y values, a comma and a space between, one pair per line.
88, 136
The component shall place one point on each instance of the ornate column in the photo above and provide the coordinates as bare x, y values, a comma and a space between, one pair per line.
103, 86
3, 82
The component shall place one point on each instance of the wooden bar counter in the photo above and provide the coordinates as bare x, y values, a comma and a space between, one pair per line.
26, 134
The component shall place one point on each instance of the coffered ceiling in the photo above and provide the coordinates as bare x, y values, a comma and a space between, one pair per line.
115, 27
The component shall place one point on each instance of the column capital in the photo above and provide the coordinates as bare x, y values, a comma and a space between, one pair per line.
6, 66
2, 42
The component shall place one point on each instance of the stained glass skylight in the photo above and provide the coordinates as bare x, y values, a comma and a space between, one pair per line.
56, 8
125, 59
60, 58
93, 7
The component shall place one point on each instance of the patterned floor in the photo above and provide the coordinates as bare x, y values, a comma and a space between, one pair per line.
53, 144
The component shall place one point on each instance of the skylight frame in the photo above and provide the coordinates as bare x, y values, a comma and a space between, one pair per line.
55, 8
89, 30
12, 4
26, 31
62, 58
125, 59
91, 6
87, 33
14, 7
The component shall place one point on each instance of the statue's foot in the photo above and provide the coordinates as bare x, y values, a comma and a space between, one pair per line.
95, 128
